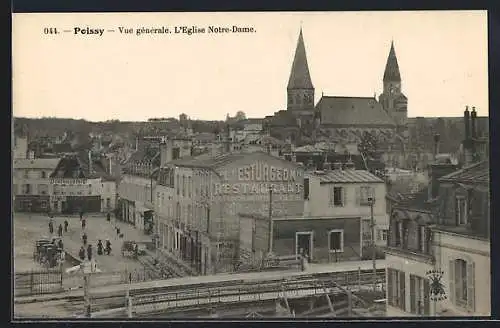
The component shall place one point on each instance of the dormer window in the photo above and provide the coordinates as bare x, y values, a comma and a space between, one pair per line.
461, 210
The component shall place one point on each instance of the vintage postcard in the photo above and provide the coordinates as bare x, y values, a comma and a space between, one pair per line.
278, 165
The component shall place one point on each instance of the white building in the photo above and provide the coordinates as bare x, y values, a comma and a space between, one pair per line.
341, 194
442, 244
31, 187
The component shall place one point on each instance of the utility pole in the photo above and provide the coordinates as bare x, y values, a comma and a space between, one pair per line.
270, 220
86, 291
371, 200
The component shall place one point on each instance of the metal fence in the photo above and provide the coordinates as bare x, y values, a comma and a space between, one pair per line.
38, 282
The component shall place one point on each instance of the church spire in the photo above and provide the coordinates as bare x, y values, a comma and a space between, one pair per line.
392, 68
299, 76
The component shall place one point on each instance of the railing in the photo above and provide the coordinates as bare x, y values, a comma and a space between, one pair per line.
227, 292
38, 282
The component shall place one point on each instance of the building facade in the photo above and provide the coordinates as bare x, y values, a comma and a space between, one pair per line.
80, 182
340, 197
206, 196
32, 188
438, 256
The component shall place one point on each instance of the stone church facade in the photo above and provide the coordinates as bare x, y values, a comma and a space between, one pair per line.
343, 119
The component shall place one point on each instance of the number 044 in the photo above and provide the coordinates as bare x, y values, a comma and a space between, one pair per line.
50, 30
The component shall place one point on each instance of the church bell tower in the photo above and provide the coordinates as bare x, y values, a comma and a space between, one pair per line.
300, 90
392, 99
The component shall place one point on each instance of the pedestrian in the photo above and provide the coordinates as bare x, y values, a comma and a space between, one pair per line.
66, 224
60, 230
60, 244
118, 231
81, 253
84, 238
108, 217
83, 223
108, 247
89, 252
100, 247
81, 215
51, 227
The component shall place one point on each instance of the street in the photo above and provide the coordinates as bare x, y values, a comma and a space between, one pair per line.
29, 228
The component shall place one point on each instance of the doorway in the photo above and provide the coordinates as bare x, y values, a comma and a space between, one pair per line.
304, 242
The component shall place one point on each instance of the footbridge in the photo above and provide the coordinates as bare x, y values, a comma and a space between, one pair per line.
294, 293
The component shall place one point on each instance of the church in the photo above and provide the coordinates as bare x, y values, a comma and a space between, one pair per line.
343, 119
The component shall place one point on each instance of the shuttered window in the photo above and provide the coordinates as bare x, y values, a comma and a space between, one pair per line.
306, 188
419, 295
396, 288
462, 284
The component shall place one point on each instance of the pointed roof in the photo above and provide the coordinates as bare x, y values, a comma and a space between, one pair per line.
299, 76
392, 68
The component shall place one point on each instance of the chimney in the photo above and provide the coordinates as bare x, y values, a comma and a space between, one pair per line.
337, 166
467, 123
349, 165
437, 137
90, 161
473, 127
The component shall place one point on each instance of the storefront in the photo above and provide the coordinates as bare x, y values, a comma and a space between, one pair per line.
32, 203
323, 240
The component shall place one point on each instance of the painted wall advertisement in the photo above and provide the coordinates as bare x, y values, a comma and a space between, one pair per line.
256, 180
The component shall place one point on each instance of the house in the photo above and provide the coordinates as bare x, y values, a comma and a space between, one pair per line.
80, 182
341, 197
438, 254
31, 187
207, 197
462, 241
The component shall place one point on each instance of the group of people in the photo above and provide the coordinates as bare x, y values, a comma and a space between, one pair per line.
59, 229
89, 251
86, 250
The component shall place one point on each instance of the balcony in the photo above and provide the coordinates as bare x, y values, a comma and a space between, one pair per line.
404, 251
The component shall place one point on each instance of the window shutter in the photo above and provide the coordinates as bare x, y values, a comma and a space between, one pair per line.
402, 285
344, 196
471, 295
427, 297
390, 288
451, 279
358, 195
413, 296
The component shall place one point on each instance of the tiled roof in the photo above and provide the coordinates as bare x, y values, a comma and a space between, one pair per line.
478, 173
62, 148
347, 176
208, 161
352, 111
39, 163
299, 75
268, 140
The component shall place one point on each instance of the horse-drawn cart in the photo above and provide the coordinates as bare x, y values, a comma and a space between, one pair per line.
132, 248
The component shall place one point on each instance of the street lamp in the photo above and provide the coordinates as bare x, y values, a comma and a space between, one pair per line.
371, 201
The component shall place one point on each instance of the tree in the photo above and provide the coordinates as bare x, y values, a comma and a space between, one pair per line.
368, 145
240, 115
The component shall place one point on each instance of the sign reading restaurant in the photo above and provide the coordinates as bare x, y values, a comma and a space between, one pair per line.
260, 178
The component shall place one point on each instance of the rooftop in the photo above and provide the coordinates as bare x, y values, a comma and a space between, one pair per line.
349, 110
347, 176
39, 163
478, 173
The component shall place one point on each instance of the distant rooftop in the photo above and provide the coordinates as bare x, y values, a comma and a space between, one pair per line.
38, 163
346, 176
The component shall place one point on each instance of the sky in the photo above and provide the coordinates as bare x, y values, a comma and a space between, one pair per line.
442, 57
